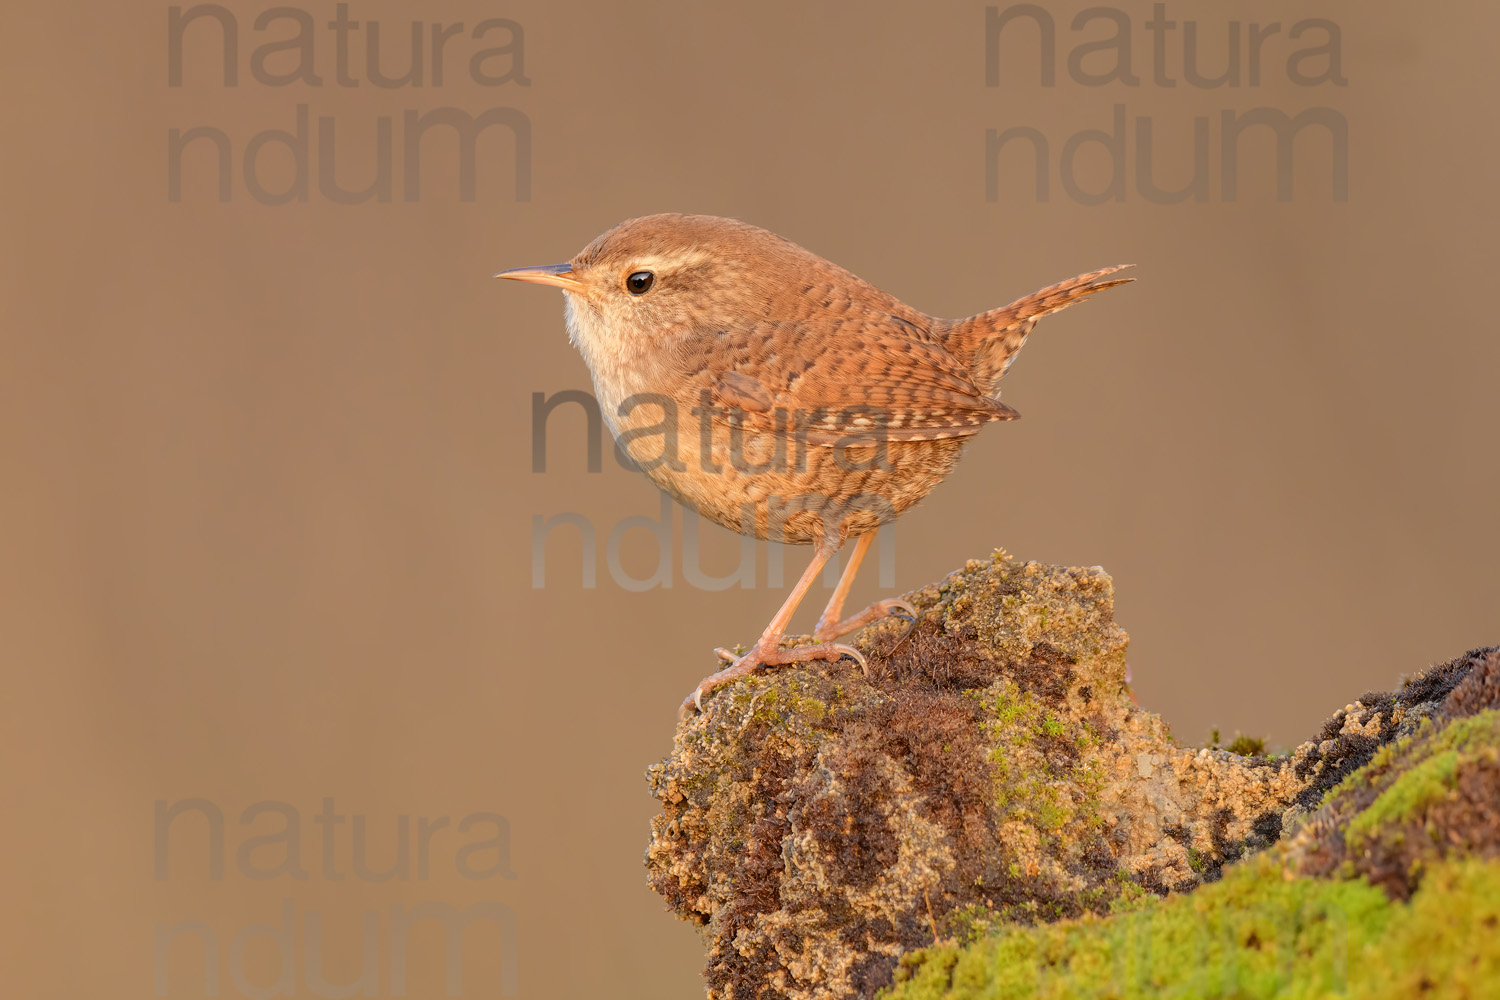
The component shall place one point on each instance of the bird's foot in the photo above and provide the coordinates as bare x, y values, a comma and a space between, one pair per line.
880, 609
761, 655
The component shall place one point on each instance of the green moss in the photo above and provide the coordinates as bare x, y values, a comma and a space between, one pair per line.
805, 705
764, 702
1479, 730
1254, 934
1010, 705
1117, 895
1386, 756
1248, 746
968, 924
1414, 791
1130, 896
1425, 764
1049, 810
1058, 798
774, 705
1447, 944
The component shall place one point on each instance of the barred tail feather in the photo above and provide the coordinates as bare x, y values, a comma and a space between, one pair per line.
989, 342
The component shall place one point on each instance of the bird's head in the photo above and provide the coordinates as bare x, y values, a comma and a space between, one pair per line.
651, 282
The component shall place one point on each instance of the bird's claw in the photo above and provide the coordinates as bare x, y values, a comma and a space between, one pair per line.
890, 607
897, 608
854, 655
911, 615
742, 664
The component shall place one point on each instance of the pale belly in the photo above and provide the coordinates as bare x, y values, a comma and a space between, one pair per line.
774, 487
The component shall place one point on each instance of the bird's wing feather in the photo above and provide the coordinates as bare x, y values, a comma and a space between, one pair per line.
870, 373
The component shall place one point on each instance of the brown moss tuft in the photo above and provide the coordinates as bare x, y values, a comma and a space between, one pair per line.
1478, 688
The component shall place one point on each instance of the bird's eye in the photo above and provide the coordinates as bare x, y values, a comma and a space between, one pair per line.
640, 282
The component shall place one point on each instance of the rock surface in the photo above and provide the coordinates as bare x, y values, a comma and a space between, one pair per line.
991, 772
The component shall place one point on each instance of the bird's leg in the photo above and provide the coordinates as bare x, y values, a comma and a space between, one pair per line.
830, 627
767, 651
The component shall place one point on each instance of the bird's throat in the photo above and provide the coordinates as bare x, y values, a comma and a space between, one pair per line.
619, 367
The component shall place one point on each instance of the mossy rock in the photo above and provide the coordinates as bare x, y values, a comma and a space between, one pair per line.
1389, 889
1254, 934
993, 786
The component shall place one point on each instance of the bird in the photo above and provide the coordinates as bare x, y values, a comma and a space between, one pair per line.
783, 397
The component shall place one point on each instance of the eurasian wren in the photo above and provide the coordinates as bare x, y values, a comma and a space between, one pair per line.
780, 395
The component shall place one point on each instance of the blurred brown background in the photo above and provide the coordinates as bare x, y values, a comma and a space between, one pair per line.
268, 499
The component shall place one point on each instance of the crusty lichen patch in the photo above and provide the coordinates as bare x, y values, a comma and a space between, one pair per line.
992, 769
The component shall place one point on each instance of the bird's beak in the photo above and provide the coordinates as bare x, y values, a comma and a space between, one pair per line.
545, 274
